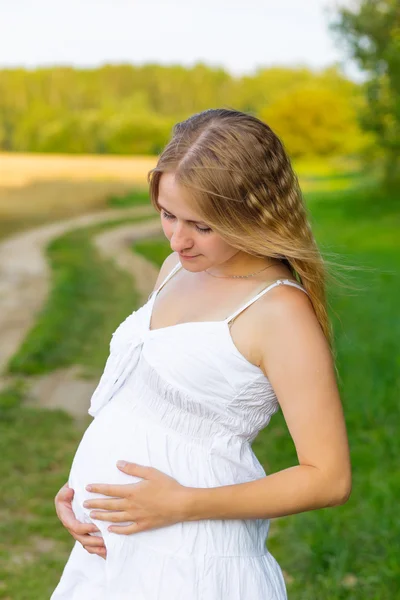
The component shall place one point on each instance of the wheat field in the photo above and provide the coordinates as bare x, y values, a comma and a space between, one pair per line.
39, 188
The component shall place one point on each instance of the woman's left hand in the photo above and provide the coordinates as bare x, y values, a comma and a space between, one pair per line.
157, 501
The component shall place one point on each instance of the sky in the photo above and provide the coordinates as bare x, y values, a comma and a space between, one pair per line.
239, 35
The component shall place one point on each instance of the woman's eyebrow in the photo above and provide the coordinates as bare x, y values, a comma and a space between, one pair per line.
187, 220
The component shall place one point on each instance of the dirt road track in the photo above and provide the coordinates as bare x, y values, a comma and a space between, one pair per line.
25, 280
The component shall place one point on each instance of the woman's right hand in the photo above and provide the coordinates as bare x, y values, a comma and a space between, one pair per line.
79, 531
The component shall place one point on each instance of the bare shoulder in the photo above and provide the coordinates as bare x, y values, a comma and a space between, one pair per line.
167, 266
286, 301
286, 322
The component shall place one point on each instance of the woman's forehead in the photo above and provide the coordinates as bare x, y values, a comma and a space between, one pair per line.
174, 198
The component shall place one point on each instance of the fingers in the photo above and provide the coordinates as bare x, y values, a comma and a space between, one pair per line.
89, 541
93, 544
99, 551
113, 517
81, 528
127, 529
64, 493
77, 528
116, 490
69, 521
108, 504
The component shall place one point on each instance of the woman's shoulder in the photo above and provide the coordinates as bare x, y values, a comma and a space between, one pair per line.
286, 319
284, 303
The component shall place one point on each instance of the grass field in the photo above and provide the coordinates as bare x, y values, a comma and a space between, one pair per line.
349, 552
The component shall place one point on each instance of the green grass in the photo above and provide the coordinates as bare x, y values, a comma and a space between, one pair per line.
347, 552
36, 447
136, 197
154, 249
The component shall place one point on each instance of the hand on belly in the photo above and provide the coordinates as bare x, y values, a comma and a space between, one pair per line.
154, 500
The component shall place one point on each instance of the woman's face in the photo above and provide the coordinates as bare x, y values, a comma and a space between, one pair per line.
187, 233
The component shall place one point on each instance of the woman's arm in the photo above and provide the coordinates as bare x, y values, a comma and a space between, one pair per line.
293, 490
296, 359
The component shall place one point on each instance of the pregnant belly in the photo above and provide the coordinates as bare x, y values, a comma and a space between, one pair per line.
114, 435
108, 438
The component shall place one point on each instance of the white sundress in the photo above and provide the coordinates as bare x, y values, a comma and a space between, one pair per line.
184, 400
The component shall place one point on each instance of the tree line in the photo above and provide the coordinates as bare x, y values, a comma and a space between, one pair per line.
128, 109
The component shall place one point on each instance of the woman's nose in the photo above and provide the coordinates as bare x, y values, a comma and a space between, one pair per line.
181, 239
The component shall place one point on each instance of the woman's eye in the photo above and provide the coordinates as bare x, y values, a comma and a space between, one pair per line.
201, 229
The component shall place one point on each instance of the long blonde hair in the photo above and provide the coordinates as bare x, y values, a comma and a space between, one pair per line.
243, 186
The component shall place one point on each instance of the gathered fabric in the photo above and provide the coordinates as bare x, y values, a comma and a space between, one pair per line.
184, 400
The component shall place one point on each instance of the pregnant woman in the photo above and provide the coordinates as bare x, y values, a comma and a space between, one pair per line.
235, 329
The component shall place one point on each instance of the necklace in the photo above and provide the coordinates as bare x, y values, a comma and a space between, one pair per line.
239, 276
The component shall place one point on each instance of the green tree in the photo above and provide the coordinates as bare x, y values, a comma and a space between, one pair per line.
372, 34
315, 121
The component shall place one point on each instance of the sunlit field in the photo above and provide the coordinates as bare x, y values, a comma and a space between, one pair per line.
21, 169
39, 188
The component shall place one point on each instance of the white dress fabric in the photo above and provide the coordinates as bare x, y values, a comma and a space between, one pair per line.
184, 400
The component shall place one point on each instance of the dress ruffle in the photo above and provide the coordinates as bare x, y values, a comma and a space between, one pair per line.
152, 575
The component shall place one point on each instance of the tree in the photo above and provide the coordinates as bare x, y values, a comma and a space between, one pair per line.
372, 34
315, 120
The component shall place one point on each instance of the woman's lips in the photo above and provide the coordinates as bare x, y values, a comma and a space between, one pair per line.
183, 256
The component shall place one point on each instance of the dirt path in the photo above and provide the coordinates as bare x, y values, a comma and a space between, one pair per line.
25, 283
116, 244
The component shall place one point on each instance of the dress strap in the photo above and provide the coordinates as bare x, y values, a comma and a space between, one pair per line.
170, 274
269, 287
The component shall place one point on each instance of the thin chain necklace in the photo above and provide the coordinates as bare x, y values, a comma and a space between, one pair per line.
239, 276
